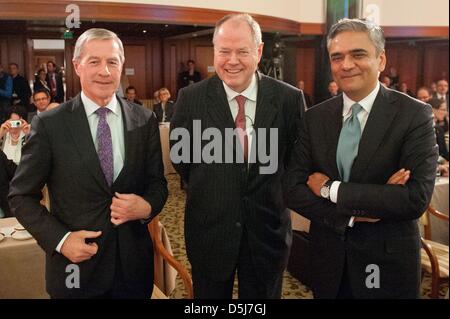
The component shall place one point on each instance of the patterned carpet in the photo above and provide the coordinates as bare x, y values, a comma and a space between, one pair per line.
172, 217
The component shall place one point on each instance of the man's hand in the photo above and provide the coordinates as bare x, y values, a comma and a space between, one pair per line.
75, 247
398, 178
126, 207
316, 181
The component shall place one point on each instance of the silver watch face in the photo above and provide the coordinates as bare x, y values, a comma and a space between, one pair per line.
325, 191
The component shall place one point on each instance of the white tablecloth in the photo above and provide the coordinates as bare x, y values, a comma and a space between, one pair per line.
439, 228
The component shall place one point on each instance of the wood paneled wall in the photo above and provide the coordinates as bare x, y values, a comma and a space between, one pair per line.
13, 49
418, 63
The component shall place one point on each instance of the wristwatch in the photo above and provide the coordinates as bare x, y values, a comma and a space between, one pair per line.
325, 189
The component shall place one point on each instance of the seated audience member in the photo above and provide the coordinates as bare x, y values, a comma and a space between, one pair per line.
433, 88
189, 76
386, 81
301, 86
40, 83
441, 90
164, 109
12, 133
424, 94
52, 106
404, 89
439, 115
7, 169
395, 78
130, 94
41, 100
156, 99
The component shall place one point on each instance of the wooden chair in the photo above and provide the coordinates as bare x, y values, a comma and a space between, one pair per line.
434, 255
160, 250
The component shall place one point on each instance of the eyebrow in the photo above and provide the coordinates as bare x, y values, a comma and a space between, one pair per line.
357, 50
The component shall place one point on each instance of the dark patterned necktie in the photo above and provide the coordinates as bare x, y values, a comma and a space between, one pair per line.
104, 145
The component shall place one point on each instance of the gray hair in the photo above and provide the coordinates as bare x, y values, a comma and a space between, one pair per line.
254, 26
374, 31
96, 34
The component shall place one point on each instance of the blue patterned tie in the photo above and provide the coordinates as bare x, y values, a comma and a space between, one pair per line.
104, 145
348, 143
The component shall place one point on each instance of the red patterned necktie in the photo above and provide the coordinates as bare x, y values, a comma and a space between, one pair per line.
240, 123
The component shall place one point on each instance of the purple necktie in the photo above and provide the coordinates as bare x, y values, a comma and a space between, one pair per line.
104, 142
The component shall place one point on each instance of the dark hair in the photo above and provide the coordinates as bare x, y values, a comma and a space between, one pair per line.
436, 103
41, 91
19, 110
54, 64
190, 61
14, 63
130, 88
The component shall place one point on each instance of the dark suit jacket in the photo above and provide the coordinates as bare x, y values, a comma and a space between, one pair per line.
59, 97
225, 198
440, 140
7, 169
60, 152
398, 134
159, 111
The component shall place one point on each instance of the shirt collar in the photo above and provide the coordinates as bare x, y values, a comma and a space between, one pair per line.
366, 103
250, 92
90, 106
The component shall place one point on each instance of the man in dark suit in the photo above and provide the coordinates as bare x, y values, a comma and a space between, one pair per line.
442, 91
236, 220
7, 169
165, 108
363, 172
55, 82
100, 157
21, 88
188, 77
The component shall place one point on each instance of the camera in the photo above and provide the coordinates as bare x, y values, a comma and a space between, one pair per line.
15, 124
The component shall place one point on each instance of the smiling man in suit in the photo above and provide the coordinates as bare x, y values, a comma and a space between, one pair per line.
236, 220
100, 157
363, 172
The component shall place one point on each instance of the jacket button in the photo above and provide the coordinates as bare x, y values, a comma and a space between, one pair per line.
238, 224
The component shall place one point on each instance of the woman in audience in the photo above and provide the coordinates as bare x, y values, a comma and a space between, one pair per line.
439, 115
12, 134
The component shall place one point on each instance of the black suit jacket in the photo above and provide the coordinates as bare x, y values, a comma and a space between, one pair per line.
59, 97
159, 111
225, 198
7, 169
398, 134
60, 152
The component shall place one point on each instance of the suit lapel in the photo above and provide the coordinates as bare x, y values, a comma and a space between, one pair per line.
218, 107
380, 118
332, 127
78, 126
129, 121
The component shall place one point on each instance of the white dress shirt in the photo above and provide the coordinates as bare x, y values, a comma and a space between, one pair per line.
250, 93
363, 115
114, 119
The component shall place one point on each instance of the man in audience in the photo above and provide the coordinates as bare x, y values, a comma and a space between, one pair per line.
6, 89
55, 83
363, 172
164, 109
423, 94
41, 100
442, 91
301, 86
130, 93
101, 159
21, 89
235, 219
188, 77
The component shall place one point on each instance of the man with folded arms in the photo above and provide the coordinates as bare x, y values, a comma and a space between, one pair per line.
363, 172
